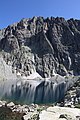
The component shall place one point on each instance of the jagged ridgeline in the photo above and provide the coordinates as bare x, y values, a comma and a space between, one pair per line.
38, 48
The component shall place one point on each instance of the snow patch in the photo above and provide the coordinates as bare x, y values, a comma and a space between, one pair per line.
69, 60
72, 33
18, 74
34, 75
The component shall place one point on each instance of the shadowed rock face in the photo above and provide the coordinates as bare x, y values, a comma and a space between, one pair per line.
43, 45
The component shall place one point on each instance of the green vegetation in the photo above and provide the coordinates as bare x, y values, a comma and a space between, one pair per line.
39, 109
7, 114
77, 106
35, 117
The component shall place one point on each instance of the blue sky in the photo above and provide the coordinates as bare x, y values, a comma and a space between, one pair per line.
14, 10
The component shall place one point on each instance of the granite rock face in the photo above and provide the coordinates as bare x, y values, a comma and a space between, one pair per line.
48, 46
60, 113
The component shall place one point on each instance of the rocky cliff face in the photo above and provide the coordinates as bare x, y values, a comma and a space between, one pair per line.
48, 46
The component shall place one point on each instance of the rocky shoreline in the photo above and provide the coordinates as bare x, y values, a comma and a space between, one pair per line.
39, 62
33, 111
42, 112
30, 112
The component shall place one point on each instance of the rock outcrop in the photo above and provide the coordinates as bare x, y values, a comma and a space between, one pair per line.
47, 46
60, 113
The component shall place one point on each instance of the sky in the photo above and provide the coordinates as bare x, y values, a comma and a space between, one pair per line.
12, 11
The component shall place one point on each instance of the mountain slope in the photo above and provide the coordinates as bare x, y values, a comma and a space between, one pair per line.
48, 46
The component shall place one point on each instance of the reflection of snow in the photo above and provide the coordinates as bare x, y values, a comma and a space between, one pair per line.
19, 83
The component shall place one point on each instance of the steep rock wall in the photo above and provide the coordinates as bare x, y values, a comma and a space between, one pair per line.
43, 45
